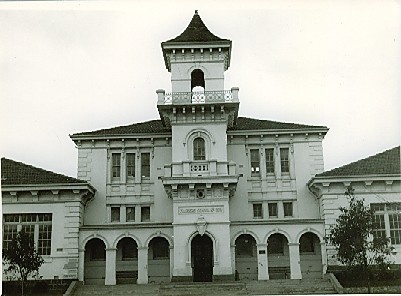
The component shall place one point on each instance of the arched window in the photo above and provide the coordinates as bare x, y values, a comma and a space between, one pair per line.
197, 79
199, 149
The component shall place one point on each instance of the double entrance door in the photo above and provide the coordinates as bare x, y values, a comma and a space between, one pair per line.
202, 258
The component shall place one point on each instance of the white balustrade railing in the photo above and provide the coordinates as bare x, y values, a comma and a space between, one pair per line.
199, 97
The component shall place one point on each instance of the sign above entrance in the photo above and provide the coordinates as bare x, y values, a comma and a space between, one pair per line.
200, 210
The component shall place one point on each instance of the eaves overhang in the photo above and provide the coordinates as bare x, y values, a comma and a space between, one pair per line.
119, 136
359, 178
42, 187
257, 132
168, 45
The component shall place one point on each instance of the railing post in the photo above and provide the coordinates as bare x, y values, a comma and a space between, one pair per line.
160, 96
235, 91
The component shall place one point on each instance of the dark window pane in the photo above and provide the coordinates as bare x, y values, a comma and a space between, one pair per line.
257, 211
272, 209
285, 164
115, 214
255, 163
199, 149
269, 160
287, 209
145, 214
145, 165
130, 165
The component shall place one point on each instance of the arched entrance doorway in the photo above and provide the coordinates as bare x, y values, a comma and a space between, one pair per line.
278, 257
159, 260
246, 260
310, 256
95, 262
127, 261
202, 258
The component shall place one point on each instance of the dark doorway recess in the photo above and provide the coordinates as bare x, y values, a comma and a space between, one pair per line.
202, 258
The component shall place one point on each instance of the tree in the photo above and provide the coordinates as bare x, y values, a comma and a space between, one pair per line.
21, 258
352, 235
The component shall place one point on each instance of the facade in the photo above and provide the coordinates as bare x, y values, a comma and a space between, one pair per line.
48, 206
376, 179
200, 194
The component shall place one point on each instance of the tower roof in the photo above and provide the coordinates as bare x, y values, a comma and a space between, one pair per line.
196, 31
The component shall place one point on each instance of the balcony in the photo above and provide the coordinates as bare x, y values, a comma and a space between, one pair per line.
200, 170
201, 97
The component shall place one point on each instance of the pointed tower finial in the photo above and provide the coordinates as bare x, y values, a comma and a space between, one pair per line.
196, 11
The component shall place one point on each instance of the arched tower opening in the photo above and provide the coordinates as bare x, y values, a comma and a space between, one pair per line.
197, 81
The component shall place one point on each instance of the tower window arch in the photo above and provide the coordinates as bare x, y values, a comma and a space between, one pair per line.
199, 149
197, 80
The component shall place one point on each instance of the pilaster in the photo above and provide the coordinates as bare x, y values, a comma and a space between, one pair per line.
110, 266
263, 272
142, 265
295, 261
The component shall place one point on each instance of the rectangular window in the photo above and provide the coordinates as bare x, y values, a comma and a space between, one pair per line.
9, 233
45, 238
116, 165
284, 160
145, 165
41, 224
287, 209
115, 214
394, 216
145, 214
130, 165
130, 214
255, 163
269, 160
272, 210
387, 221
257, 211
378, 221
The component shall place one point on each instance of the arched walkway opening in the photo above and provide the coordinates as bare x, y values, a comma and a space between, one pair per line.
246, 259
159, 260
95, 262
202, 258
278, 257
310, 256
127, 261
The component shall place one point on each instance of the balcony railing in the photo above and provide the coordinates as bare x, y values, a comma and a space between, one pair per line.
199, 168
199, 97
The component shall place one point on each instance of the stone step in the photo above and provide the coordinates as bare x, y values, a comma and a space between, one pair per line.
272, 287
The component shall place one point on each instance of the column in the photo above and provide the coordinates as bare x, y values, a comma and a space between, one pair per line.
81, 264
171, 261
110, 266
263, 272
232, 250
142, 265
324, 257
295, 265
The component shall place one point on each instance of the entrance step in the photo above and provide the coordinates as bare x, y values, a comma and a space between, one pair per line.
270, 287
132, 289
290, 287
203, 289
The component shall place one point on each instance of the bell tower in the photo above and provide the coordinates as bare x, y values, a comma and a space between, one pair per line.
199, 180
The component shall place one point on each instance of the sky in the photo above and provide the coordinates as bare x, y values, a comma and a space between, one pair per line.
73, 66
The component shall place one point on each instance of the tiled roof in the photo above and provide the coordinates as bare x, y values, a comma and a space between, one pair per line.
18, 173
147, 127
196, 32
384, 163
156, 126
244, 123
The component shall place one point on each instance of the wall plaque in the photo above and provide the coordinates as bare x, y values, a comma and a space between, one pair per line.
200, 210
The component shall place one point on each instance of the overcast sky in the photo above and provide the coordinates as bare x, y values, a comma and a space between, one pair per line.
67, 67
